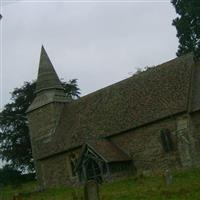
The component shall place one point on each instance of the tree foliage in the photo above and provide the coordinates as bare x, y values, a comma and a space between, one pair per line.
188, 26
10, 176
15, 146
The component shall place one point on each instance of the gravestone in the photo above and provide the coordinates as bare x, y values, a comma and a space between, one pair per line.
91, 190
168, 177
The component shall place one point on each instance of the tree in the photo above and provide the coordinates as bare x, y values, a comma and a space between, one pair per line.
15, 146
8, 175
188, 26
13, 177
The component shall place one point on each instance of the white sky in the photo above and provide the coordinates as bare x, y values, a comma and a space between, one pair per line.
97, 42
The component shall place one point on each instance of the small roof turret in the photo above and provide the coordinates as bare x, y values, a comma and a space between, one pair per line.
47, 76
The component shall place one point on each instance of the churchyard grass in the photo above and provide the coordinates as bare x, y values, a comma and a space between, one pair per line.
185, 186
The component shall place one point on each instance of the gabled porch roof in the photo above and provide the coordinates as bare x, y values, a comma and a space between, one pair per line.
105, 150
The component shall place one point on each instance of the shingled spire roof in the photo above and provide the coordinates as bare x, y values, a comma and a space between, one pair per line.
47, 77
48, 86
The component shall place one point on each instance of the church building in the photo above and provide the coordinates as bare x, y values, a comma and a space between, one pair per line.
150, 121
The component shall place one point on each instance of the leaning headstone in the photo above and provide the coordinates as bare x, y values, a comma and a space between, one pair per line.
168, 177
91, 190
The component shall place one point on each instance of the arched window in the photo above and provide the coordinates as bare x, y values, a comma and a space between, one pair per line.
166, 140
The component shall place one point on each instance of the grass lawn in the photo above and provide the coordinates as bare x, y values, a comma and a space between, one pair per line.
186, 185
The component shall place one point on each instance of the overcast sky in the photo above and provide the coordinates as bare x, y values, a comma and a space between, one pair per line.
99, 43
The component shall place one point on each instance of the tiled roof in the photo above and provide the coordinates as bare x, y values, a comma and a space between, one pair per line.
105, 150
108, 151
195, 92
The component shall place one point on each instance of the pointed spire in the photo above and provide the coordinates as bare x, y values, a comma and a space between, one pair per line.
48, 86
47, 77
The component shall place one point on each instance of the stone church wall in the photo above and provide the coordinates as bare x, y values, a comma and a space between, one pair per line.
195, 126
56, 170
44, 120
145, 147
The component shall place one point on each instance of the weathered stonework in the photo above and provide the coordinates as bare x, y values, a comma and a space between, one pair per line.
195, 135
44, 121
57, 171
145, 148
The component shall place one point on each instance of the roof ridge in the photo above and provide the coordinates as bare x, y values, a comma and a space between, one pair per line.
162, 65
